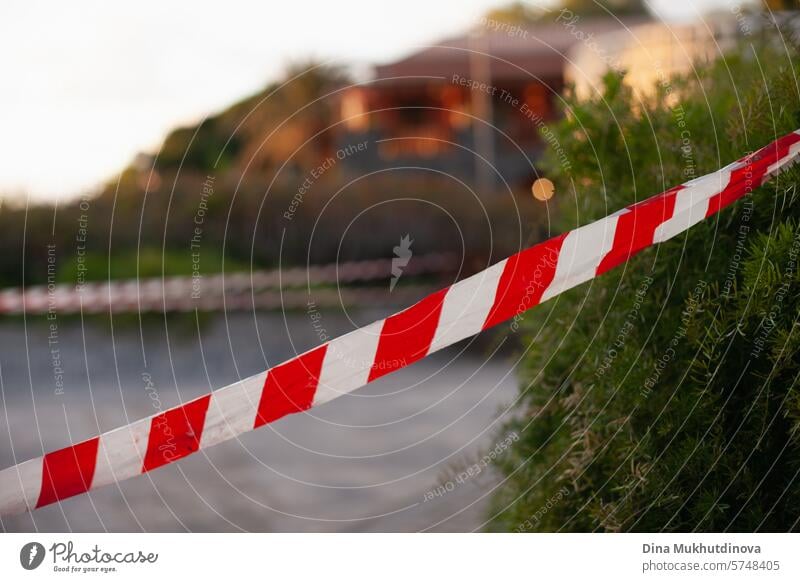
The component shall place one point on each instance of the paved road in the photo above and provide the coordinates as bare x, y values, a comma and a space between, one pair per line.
361, 463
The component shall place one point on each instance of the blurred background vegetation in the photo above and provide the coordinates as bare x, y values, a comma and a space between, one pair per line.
142, 223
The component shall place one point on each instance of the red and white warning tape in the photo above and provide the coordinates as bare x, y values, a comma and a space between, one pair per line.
344, 364
213, 292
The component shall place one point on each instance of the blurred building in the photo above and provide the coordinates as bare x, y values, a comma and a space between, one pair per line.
473, 106
652, 53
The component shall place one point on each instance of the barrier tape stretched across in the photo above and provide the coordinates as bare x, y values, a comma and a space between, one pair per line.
344, 364
212, 292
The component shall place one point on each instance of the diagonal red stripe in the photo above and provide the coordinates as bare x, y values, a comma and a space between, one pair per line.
68, 471
290, 387
750, 176
406, 337
175, 433
635, 229
525, 278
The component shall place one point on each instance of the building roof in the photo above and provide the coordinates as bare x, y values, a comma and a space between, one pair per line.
517, 53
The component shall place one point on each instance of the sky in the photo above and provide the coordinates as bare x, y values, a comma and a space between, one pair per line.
85, 85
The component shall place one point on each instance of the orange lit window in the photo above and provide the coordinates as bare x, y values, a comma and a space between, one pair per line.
354, 110
536, 99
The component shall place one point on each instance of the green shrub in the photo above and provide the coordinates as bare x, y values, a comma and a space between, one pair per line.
663, 395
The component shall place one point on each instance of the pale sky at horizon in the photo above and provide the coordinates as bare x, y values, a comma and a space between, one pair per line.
86, 85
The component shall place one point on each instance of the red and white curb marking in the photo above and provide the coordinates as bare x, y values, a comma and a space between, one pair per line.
344, 364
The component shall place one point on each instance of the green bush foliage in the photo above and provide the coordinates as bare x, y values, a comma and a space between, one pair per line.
663, 396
